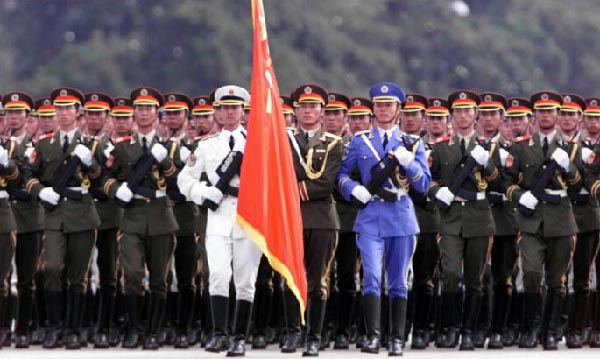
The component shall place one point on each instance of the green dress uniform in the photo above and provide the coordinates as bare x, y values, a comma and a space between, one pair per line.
70, 233
466, 230
547, 236
148, 228
322, 154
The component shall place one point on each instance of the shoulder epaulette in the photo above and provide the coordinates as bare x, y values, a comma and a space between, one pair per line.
122, 139
360, 133
331, 135
206, 137
45, 136
442, 139
522, 138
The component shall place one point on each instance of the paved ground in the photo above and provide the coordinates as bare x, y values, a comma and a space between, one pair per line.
198, 353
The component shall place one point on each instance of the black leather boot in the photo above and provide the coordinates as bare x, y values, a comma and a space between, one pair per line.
262, 316
105, 315
372, 311
55, 316
501, 308
75, 310
157, 311
291, 307
450, 319
532, 308
220, 316
134, 305
344, 320
186, 313
241, 326
314, 326
422, 304
553, 321
470, 316
23, 321
398, 325
577, 317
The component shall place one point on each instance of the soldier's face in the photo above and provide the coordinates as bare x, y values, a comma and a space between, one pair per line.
289, 120
464, 118
505, 130
123, 125
592, 124
15, 119
357, 123
411, 121
309, 114
96, 120
436, 125
175, 119
335, 120
546, 118
385, 112
519, 125
568, 121
48, 124
490, 120
203, 123
231, 116
67, 115
145, 115
32, 125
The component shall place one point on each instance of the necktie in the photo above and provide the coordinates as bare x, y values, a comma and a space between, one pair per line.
306, 137
463, 147
231, 142
545, 146
65, 144
144, 145
385, 140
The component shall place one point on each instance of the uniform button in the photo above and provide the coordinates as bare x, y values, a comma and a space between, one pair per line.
463, 203
381, 200
544, 167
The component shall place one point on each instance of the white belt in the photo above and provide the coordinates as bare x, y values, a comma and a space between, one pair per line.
560, 192
82, 190
479, 196
158, 194
3, 194
504, 198
402, 191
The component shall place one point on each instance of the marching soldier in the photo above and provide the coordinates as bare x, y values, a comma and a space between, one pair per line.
47, 114
220, 156
138, 174
27, 212
461, 172
122, 115
538, 174
384, 198
317, 157
288, 111
587, 217
59, 173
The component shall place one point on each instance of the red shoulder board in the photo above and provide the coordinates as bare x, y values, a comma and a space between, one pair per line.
442, 139
522, 138
45, 136
122, 139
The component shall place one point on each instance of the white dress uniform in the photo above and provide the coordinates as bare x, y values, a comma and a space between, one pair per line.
226, 243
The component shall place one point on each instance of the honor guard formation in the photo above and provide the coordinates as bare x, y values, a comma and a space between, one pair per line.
465, 221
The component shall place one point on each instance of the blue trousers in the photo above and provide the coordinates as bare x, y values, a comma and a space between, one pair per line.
397, 252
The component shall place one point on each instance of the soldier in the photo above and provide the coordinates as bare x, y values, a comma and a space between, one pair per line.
225, 241
427, 253
288, 111
539, 172
378, 230
28, 215
587, 217
148, 225
32, 125
317, 157
177, 109
122, 114
47, 114
59, 173
461, 172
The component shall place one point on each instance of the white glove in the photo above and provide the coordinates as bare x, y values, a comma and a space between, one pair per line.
47, 194
361, 193
212, 194
404, 156
196, 193
503, 156
240, 143
528, 200
562, 158
480, 155
184, 154
159, 152
444, 195
124, 193
84, 154
3, 156
585, 154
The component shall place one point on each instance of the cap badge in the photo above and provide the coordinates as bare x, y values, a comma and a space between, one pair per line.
231, 91
121, 102
384, 89
202, 102
331, 97
94, 97
593, 103
462, 96
487, 98
14, 97
144, 92
567, 98
63, 92
171, 98
437, 103
515, 102
357, 102
47, 102
307, 90
409, 99
544, 97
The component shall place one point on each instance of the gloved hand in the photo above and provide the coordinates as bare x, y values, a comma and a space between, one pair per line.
361, 193
444, 195
196, 193
84, 154
47, 194
562, 158
404, 156
3, 156
213, 194
124, 193
480, 155
528, 200
159, 152
503, 156
184, 154
585, 154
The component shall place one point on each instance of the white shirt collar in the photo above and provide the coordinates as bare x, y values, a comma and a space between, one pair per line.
467, 138
21, 138
69, 134
389, 132
149, 137
238, 131
550, 137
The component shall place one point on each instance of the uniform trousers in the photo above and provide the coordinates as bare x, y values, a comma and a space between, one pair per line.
425, 259
7, 247
468, 255
107, 259
186, 265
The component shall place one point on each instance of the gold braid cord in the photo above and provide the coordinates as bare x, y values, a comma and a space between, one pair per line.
309, 158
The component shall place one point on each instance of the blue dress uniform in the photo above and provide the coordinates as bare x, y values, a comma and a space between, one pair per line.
385, 226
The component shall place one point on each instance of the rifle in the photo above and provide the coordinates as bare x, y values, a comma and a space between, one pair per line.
136, 176
230, 166
61, 178
375, 186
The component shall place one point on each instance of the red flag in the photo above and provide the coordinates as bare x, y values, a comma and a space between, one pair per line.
269, 202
